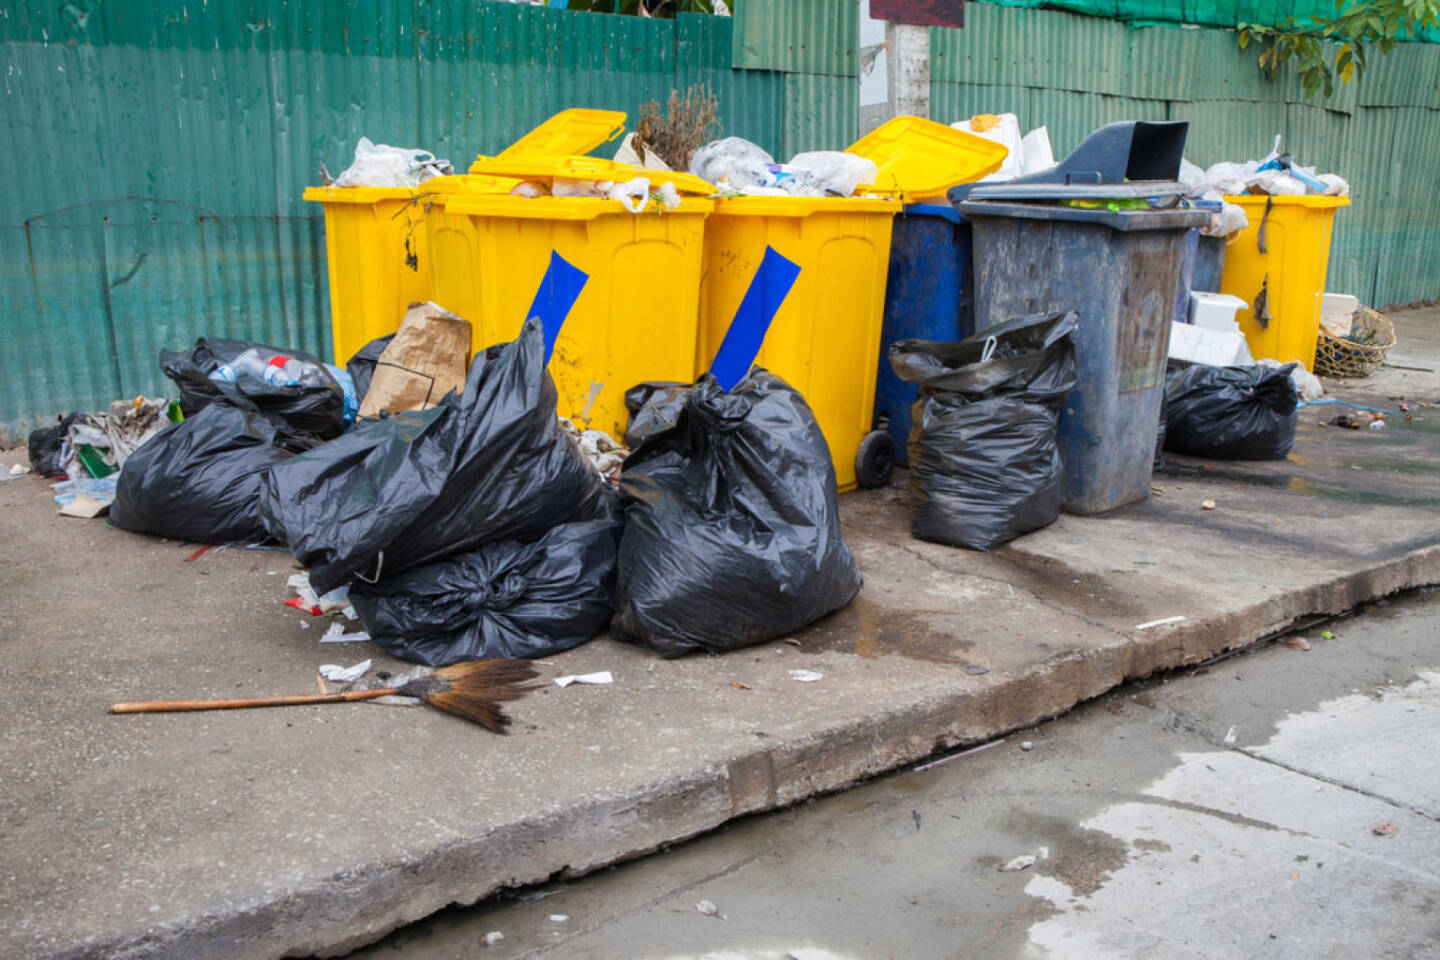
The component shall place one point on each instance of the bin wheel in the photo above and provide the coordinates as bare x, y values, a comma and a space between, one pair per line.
875, 459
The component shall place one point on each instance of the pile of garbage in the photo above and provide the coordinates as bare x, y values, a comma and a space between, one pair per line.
1275, 175
738, 167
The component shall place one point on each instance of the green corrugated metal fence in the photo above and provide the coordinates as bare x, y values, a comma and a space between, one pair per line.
157, 153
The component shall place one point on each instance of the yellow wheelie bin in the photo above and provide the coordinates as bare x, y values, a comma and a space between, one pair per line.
375, 242
1278, 265
633, 279
824, 339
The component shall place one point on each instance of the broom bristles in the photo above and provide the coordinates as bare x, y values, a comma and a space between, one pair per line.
475, 690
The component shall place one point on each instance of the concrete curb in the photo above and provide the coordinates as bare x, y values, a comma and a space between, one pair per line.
356, 907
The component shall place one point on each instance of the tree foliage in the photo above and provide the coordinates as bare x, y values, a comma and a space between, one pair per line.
1359, 26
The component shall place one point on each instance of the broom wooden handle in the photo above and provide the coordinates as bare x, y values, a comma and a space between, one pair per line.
165, 706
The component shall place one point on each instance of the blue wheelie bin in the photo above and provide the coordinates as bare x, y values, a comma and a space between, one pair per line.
927, 297
1122, 272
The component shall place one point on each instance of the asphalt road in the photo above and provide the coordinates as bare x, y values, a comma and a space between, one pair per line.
1281, 803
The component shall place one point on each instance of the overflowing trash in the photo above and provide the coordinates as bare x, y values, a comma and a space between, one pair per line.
199, 480
1275, 175
737, 166
291, 387
489, 465
1231, 413
1027, 154
985, 465
732, 526
505, 599
599, 448
381, 165
46, 446
361, 366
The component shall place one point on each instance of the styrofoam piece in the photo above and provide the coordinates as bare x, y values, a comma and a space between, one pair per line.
1215, 311
1007, 133
1337, 312
1035, 151
1215, 348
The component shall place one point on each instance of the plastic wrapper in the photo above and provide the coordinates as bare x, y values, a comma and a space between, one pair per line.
381, 165
488, 465
1307, 385
199, 480
1275, 183
985, 465
1335, 185
46, 446
1231, 413
834, 172
732, 162
732, 525
502, 600
290, 387
1229, 178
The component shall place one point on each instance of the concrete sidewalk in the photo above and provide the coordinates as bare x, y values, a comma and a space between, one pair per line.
314, 830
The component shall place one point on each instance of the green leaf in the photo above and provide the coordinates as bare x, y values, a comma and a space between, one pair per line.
1243, 39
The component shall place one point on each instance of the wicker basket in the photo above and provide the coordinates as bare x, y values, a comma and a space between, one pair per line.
1343, 357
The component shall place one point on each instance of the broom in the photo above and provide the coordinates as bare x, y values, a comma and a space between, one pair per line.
472, 690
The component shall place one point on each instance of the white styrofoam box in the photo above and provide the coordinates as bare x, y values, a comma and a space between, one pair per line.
1215, 311
1337, 312
1215, 348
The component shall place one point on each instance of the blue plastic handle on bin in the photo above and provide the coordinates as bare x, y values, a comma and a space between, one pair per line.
767, 291
559, 289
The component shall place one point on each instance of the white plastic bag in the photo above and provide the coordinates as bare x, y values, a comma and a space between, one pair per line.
1036, 154
632, 194
834, 172
1335, 185
733, 162
1306, 383
381, 165
1007, 134
1275, 183
1229, 178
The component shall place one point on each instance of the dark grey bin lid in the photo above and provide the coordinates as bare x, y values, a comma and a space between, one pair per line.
1126, 220
1014, 190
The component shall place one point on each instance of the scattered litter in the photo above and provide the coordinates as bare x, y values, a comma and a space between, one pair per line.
956, 756
196, 555
1168, 619
559, 917
492, 938
84, 507
738, 685
975, 670
1386, 829
1230, 736
1207, 504
336, 634
306, 599
1026, 745
96, 488
1023, 862
805, 676
304, 624
598, 678
1326, 635
1297, 643
18, 470
707, 908
338, 674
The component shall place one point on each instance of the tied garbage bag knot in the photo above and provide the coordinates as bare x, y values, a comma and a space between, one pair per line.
985, 465
498, 594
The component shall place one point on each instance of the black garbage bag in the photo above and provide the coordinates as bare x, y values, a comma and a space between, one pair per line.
199, 479
392, 494
653, 405
732, 524
984, 463
1231, 413
289, 386
44, 446
361, 367
504, 600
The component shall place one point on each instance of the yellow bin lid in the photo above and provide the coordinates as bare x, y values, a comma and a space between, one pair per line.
570, 132
922, 158
586, 168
